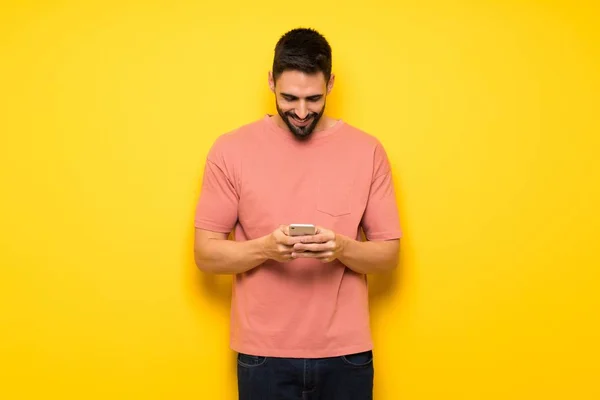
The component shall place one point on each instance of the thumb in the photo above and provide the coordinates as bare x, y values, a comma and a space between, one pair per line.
320, 229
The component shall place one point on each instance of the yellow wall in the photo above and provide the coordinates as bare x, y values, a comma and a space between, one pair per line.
489, 111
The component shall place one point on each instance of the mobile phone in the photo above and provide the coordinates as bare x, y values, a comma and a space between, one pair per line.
302, 229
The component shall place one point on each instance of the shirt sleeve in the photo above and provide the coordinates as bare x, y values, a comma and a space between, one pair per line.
381, 220
217, 207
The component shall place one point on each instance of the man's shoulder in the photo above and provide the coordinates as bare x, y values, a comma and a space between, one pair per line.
369, 146
237, 138
360, 137
242, 132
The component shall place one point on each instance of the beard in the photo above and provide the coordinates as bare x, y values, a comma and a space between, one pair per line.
300, 132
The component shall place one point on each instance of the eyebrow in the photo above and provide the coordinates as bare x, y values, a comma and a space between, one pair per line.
311, 97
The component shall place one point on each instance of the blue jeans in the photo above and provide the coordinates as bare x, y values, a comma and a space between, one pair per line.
348, 377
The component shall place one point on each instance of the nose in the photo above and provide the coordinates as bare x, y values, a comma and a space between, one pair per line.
302, 111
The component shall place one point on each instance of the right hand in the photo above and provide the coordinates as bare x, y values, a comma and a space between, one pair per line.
279, 245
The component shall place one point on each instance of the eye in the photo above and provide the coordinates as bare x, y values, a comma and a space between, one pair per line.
314, 99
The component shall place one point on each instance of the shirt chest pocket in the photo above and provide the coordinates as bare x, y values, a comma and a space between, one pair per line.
334, 196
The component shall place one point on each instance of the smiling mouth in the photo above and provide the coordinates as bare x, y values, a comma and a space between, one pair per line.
301, 122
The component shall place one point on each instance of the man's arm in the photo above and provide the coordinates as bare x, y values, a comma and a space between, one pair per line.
370, 257
215, 254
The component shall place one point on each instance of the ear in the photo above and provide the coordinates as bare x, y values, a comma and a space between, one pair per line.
271, 82
330, 83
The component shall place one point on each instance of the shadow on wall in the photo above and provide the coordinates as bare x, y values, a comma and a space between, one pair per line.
201, 287
382, 286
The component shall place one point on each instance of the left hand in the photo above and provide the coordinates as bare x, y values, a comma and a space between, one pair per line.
324, 245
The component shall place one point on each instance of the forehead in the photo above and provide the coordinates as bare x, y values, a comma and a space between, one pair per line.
300, 83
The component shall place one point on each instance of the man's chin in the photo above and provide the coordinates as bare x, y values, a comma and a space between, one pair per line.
300, 134
303, 131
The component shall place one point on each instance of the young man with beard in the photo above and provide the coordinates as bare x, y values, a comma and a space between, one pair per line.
299, 311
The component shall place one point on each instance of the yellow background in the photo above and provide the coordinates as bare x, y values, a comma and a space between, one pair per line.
488, 111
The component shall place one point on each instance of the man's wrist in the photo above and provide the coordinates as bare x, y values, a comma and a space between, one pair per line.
263, 248
342, 242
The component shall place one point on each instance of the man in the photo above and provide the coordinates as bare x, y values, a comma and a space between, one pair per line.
299, 311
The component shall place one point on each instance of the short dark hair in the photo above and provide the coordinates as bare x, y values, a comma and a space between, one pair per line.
302, 49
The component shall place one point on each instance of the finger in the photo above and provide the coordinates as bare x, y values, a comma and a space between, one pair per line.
320, 238
312, 254
285, 229
285, 252
287, 241
291, 240
312, 246
320, 230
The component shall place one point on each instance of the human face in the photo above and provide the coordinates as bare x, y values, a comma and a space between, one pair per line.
300, 100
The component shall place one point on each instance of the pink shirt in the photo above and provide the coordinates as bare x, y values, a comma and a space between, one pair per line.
259, 177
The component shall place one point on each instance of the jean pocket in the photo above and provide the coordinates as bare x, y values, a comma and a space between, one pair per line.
361, 359
250, 361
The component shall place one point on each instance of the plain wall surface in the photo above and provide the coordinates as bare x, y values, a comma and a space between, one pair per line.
488, 111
